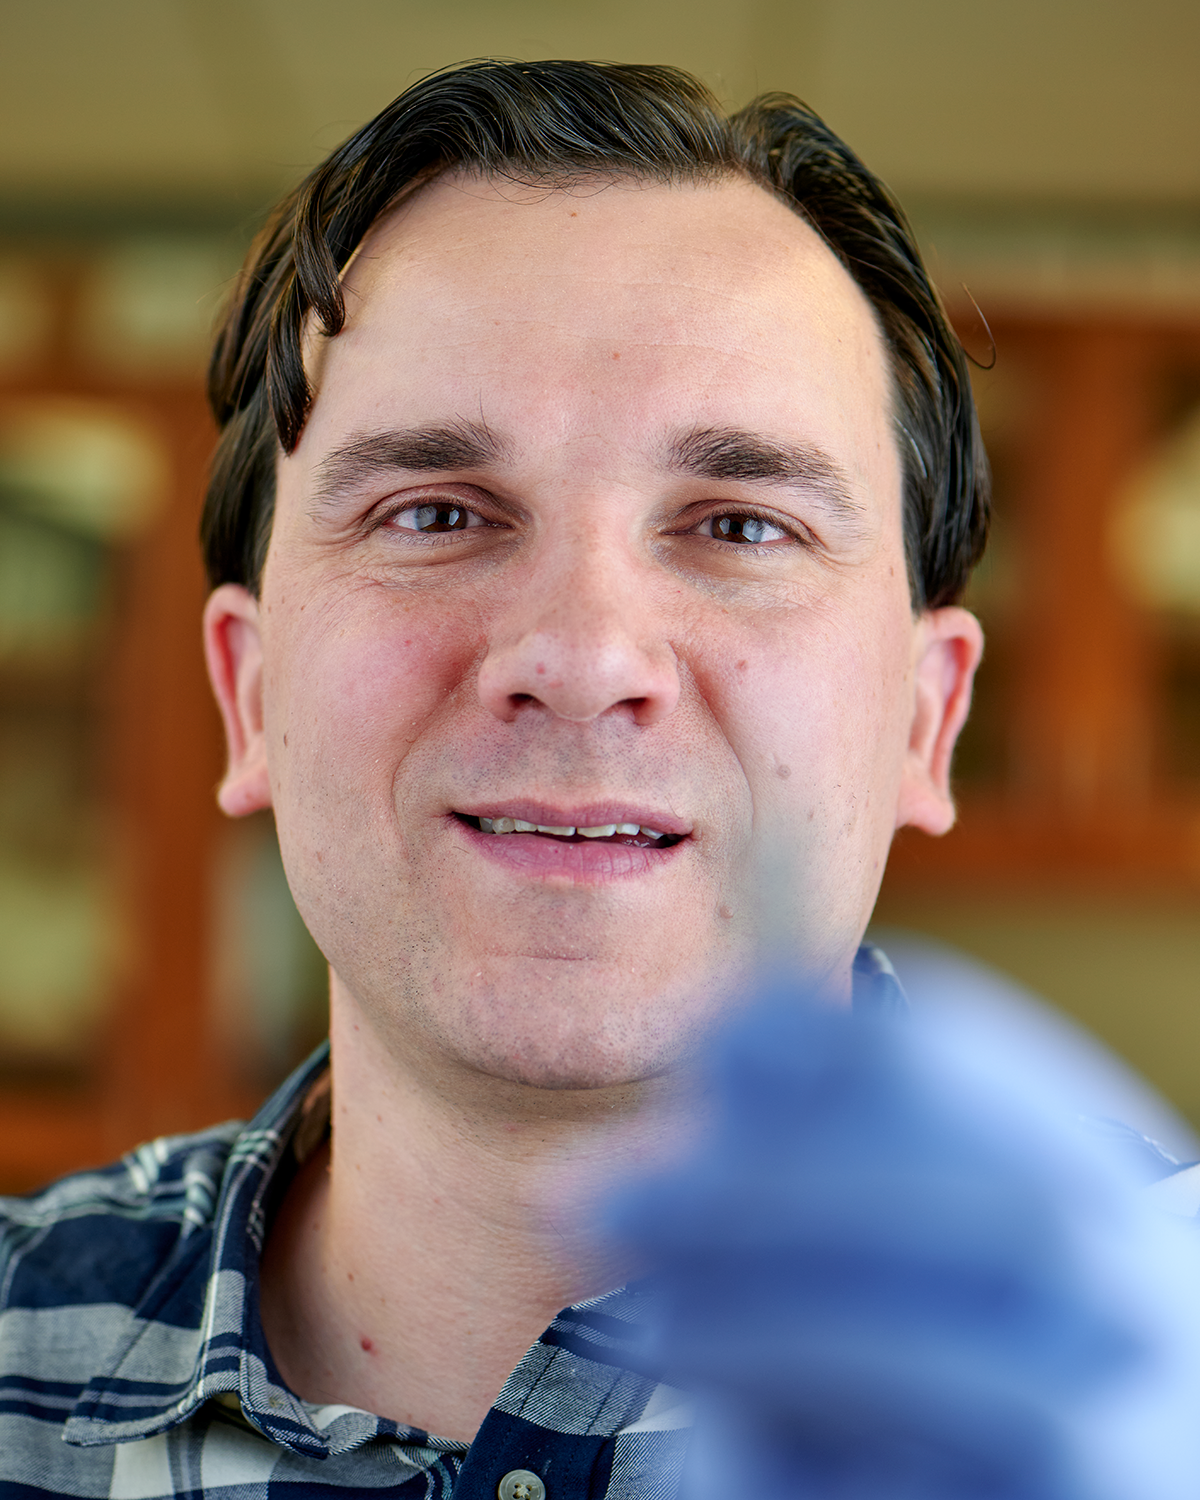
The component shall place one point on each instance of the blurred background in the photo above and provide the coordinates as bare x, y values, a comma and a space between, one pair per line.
154, 975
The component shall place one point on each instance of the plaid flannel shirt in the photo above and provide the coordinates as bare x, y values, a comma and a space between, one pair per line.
133, 1363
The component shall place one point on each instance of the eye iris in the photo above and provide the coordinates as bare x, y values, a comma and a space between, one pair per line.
440, 518
740, 528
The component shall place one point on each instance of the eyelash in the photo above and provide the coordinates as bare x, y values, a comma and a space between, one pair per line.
434, 538
794, 531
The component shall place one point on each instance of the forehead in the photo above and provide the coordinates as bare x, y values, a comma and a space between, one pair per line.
652, 304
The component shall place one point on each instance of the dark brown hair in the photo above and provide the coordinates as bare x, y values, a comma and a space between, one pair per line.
557, 123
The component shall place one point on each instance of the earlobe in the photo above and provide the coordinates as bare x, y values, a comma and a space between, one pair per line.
233, 651
948, 645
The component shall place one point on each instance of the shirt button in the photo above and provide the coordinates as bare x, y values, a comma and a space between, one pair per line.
520, 1484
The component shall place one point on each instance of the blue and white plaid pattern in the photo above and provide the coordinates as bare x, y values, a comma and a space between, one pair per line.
133, 1363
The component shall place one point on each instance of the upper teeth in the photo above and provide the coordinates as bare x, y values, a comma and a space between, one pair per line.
604, 831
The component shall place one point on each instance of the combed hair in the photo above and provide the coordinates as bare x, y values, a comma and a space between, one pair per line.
557, 124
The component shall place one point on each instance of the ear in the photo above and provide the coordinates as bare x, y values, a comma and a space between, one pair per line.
233, 651
947, 646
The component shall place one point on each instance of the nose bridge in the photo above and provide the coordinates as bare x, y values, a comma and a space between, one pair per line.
584, 594
580, 637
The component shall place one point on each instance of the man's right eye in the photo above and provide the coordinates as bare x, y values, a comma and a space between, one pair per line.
431, 518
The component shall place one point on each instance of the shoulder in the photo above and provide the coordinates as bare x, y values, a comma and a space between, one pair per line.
101, 1236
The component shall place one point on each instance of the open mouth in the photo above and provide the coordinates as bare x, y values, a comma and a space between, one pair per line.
632, 835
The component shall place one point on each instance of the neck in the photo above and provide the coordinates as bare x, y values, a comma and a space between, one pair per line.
414, 1262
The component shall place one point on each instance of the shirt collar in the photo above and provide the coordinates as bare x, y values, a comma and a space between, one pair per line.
196, 1334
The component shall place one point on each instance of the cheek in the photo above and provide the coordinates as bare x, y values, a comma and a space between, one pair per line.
817, 718
355, 688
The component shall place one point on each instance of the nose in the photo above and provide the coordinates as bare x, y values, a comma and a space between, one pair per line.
578, 641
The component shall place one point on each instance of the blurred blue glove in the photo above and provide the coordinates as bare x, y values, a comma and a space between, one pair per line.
897, 1268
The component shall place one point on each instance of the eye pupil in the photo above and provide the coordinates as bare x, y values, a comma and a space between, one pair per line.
440, 518
740, 528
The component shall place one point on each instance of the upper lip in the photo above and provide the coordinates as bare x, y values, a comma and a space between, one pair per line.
590, 815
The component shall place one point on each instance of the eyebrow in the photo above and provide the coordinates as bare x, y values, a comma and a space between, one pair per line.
717, 453
732, 454
458, 445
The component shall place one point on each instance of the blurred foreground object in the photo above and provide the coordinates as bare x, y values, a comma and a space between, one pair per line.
937, 977
899, 1267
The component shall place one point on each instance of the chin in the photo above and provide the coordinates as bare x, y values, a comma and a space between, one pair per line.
535, 1026
547, 1063
581, 1045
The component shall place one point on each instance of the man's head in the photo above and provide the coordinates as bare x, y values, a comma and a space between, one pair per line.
558, 123
591, 462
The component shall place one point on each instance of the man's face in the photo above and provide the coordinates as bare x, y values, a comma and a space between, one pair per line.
595, 524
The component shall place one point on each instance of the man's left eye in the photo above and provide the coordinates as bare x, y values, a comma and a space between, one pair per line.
432, 518
742, 528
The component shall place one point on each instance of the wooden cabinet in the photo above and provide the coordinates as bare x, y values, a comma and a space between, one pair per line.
1082, 758
121, 701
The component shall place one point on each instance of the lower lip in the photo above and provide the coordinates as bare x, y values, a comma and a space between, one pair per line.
593, 863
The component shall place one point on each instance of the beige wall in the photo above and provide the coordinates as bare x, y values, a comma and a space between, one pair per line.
1054, 99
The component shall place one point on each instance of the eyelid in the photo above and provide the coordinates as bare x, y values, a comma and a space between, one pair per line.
801, 534
465, 497
401, 510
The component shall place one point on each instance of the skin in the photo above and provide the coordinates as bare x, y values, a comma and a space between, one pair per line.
512, 1017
